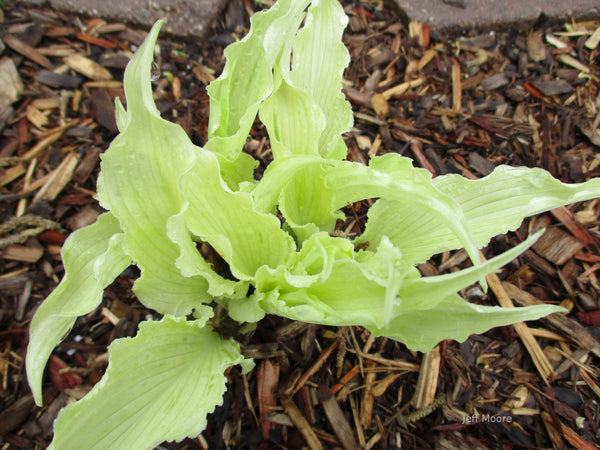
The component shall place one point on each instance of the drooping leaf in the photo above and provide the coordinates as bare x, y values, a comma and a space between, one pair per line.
159, 385
492, 205
394, 177
93, 257
390, 176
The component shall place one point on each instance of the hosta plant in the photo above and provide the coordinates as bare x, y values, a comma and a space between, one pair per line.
164, 196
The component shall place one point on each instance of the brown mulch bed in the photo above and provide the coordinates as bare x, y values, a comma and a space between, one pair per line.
454, 104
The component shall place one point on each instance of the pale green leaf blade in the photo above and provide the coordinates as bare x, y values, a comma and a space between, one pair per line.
492, 205
278, 176
307, 113
245, 238
453, 318
307, 203
393, 177
293, 120
320, 58
93, 257
159, 386
138, 183
191, 262
247, 78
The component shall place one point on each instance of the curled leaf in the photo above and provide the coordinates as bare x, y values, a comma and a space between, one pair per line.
93, 257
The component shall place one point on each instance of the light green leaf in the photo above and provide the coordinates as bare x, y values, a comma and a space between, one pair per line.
307, 203
247, 78
307, 113
393, 177
93, 257
138, 183
328, 283
278, 175
159, 386
295, 123
381, 297
425, 292
319, 61
492, 205
454, 318
390, 176
293, 120
227, 220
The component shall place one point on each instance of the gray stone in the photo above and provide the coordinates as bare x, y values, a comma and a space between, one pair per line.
454, 15
185, 18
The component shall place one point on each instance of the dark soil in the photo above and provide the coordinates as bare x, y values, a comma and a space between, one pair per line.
456, 104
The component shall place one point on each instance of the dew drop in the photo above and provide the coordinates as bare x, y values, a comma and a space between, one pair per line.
154, 71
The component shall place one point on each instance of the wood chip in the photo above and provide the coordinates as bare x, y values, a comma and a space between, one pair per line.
13, 416
48, 139
427, 58
11, 174
267, 382
23, 253
96, 41
104, 108
46, 103
593, 40
58, 80
482, 165
557, 246
567, 218
456, 87
366, 407
575, 440
27, 51
316, 366
428, 379
536, 50
59, 179
336, 418
83, 217
301, 423
11, 86
570, 328
494, 82
36, 117
380, 105
402, 88
87, 67
554, 87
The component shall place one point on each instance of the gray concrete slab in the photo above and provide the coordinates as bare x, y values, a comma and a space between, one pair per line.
185, 18
453, 15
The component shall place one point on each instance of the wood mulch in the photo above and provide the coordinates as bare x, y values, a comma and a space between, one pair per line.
454, 104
